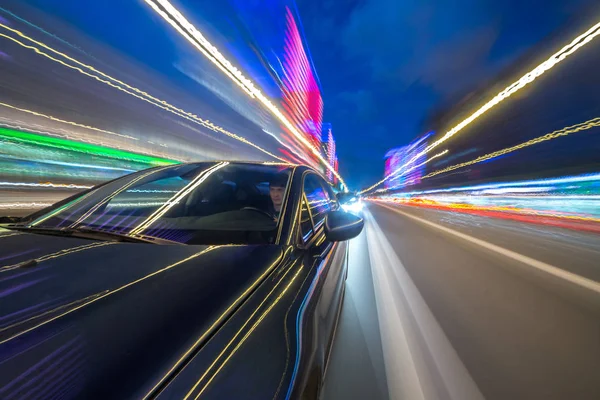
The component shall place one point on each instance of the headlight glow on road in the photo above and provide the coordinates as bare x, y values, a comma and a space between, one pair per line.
354, 208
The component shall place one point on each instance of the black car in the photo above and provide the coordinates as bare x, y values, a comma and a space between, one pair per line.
207, 280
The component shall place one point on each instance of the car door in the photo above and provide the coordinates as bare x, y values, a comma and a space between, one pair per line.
324, 299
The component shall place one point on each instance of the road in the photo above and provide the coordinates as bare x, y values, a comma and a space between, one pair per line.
443, 305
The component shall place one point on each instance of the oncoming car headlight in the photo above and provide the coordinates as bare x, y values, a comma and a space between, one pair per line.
354, 207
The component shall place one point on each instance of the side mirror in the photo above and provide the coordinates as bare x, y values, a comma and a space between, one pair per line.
10, 220
340, 226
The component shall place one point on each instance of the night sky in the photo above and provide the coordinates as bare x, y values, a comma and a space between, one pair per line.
385, 65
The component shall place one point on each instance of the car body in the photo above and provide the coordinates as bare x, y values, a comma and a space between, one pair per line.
87, 313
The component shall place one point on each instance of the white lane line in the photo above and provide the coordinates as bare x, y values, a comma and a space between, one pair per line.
539, 265
420, 362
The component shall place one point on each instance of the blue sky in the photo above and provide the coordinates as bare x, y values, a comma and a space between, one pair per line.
386, 64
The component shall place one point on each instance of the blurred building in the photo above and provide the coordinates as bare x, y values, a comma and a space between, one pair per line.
275, 32
396, 158
329, 151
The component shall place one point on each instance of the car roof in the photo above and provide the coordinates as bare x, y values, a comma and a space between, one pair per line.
300, 167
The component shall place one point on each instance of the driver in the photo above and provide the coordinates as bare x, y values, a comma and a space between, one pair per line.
276, 192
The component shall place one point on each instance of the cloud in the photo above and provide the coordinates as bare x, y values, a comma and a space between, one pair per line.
411, 40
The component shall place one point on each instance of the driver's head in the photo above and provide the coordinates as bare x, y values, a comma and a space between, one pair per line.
277, 190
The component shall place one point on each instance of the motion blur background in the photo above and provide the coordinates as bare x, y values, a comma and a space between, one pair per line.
470, 128
94, 90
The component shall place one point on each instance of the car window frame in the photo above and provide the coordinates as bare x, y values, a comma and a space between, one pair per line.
304, 200
316, 233
286, 201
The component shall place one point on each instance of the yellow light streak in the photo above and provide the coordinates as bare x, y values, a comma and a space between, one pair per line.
50, 117
10, 234
212, 53
549, 136
177, 197
103, 201
243, 339
200, 48
525, 80
107, 293
58, 254
142, 95
8, 206
222, 318
49, 312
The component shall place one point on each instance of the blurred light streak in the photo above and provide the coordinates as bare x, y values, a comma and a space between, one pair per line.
41, 30
66, 122
101, 203
166, 206
150, 191
45, 185
138, 204
549, 181
570, 202
9, 206
194, 36
525, 80
400, 171
517, 190
593, 123
63, 164
550, 218
301, 90
24, 126
128, 89
204, 47
81, 147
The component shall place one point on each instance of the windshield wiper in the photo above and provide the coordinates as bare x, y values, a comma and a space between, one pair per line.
90, 233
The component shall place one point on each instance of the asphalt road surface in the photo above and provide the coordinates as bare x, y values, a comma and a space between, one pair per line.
442, 305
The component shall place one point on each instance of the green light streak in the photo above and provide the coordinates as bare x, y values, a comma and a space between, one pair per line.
56, 143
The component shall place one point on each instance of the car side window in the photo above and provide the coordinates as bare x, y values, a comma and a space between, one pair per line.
319, 201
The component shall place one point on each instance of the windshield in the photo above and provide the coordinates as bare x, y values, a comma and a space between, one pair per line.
203, 203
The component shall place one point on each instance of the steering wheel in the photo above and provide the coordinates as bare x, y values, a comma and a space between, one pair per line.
258, 210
